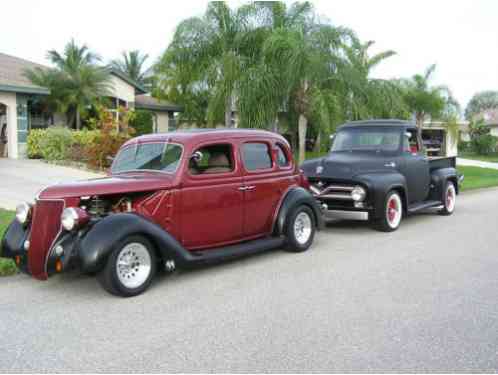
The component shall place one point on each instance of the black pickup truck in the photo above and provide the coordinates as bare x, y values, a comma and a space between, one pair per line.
377, 171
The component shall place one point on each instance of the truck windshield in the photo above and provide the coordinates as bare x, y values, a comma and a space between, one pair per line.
162, 156
367, 139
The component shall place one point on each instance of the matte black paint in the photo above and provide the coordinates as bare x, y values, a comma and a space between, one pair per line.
415, 177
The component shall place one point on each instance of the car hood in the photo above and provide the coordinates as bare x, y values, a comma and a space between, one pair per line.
345, 165
117, 184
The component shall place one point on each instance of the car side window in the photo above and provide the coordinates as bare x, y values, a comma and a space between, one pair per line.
256, 156
282, 160
212, 159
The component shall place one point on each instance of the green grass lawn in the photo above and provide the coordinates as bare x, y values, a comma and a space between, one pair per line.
7, 266
476, 178
493, 158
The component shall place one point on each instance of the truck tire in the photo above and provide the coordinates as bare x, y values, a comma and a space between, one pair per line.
449, 199
392, 213
300, 229
130, 267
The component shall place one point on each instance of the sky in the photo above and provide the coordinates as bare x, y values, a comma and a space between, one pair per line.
460, 37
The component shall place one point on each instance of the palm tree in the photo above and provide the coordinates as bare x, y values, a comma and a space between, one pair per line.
131, 63
75, 83
210, 47
370, 97
423, 99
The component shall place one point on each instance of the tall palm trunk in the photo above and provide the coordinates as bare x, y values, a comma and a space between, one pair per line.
274, 127
318, 142
302, 129
78, 119
228, 111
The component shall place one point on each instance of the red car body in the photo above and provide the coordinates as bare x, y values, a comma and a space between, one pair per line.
199, 210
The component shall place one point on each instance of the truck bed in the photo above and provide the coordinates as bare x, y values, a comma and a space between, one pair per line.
442, 162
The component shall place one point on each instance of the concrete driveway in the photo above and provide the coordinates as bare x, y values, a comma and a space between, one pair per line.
20, 180
421, 299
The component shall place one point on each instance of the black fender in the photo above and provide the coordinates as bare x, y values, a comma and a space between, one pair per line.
438, 181
294, 197
379, 184
102, 238
13, 240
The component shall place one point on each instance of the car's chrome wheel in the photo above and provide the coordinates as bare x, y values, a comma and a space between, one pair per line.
303, 227
394, 211
450, 197
133, 265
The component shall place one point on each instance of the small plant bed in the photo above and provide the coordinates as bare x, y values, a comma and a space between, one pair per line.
477, 178
7, 266
492, 158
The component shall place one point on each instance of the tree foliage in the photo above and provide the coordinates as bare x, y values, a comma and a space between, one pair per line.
76, 82
481, 101
132, 63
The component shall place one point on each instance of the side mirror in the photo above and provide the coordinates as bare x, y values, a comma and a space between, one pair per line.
110, 159
197, 156
408, 135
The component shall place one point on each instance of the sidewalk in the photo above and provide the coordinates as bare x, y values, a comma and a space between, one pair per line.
477, 163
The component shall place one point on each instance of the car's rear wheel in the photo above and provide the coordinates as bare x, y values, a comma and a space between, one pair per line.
130, 268
449, 199
392, 213
300, 229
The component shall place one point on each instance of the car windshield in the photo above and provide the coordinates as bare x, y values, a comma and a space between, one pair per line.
163, 157
367, 139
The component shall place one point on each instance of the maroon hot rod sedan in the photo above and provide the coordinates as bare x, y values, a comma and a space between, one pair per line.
174, 199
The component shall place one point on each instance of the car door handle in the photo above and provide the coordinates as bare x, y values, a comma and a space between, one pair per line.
391, 164
246, 188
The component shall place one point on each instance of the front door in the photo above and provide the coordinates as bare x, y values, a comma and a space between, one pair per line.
262, 187
415, 168
212, 198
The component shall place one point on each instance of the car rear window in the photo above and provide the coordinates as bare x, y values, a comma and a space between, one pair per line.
282, 160
256, 155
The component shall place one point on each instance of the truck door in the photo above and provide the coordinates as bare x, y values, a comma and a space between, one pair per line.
415, 167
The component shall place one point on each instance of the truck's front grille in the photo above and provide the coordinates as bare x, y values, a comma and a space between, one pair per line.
332, 191
45, 227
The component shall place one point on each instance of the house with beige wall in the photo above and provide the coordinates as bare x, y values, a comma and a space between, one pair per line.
21, 104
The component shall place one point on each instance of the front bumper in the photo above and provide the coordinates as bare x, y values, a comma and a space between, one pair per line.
13, 246
346, 215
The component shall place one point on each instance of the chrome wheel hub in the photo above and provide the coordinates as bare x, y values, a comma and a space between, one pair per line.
302, 228
394, 211
133, 265
450, 198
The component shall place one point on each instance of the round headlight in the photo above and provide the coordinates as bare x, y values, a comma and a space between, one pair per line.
73, 218
23, 212
358, 194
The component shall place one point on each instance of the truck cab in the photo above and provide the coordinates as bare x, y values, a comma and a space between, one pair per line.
378, 171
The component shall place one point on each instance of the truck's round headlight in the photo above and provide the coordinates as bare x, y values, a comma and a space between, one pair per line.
23, 212
73, 218
358, 194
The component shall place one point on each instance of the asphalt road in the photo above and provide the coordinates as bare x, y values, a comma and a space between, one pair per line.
421, 299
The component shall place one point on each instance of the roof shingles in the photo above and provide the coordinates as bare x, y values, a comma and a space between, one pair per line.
12, 76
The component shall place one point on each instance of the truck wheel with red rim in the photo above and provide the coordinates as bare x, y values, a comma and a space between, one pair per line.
300, 229
130, 268
449, 199
392, 213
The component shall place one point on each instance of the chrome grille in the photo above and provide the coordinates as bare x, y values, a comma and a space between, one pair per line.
332, 191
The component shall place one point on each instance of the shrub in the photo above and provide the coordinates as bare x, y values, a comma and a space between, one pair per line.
56, 143
143, 122
464, 146
483, 144
34, 138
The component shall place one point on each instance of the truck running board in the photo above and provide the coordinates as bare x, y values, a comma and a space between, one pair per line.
234, 251
420, 206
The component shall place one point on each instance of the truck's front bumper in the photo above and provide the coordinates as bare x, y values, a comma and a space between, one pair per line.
346, 215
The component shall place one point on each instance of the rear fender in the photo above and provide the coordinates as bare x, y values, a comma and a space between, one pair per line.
105, 235
438, 181
296, 196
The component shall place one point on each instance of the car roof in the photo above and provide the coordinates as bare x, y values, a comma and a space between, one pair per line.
379, 122
194, 135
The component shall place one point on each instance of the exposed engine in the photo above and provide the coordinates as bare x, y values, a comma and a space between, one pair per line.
99, 207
